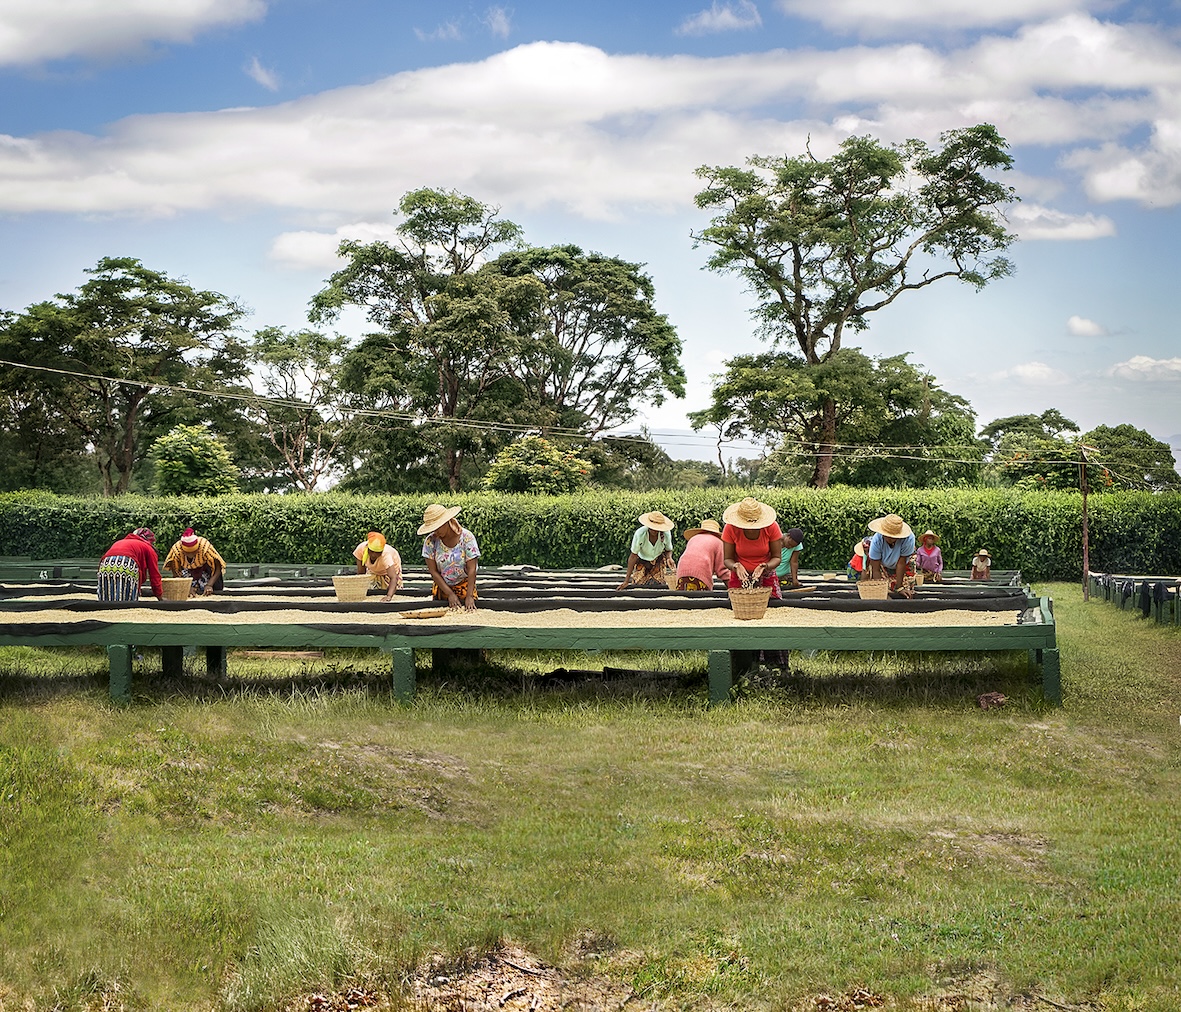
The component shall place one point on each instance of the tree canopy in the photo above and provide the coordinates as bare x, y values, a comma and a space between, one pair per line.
823, 244
111, 359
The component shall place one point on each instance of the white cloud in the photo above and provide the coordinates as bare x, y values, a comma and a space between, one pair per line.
722, 17
1080, 326
309, 249
267, 78
1032, 221
567, 125
873, 16
33, 31
498, 21
448, 31
1036, 374
1143, 368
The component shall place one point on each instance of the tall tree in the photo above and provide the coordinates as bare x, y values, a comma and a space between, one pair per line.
111, 356
1034, 451
894, 425
597, 350
451, 331
303, 412
825, 243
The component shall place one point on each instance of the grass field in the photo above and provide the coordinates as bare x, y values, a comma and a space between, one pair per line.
859, 823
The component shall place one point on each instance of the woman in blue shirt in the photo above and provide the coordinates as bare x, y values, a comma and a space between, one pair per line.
890, 551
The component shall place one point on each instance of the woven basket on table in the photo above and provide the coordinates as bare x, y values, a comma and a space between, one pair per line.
352, 588
873, 590
749, 602
176, 588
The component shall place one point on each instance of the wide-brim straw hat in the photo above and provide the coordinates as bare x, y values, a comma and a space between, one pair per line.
707, 527
984, 552
750, 514
928, 533
657, 521
891, 526
859, 548
435, 516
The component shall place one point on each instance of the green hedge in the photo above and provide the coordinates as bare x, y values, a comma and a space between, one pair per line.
1036, 532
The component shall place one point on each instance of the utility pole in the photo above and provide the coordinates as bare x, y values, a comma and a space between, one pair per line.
1082, 480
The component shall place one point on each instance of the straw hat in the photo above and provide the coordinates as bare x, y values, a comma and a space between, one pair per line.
657, 521
375, 541
435, 516
891, 526
750, 514
984, 552
928, 533
859, 548
707, 527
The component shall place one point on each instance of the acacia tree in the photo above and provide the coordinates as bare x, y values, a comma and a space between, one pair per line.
596, 346
303, 414
823, 244
111, 356
894, 424
450, 331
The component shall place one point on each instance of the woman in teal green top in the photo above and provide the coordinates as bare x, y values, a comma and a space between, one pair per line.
651, 561
788, 570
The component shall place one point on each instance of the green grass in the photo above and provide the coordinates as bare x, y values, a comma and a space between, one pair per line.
859, 822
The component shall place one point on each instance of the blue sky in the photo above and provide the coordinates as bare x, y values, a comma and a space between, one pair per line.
235, 142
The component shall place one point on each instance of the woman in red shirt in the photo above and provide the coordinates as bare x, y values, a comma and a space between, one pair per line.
753, 545
128, 562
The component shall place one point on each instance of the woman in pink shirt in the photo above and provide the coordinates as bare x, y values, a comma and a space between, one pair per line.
703, 559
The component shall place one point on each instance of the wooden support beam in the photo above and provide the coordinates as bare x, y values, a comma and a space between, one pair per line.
402, 662
172, 661
119, 655
721, 676
1051, 677
215, 662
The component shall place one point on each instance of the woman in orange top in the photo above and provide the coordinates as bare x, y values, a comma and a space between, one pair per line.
753, 544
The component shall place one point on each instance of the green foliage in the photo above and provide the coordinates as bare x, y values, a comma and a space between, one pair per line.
121, 345
191, 460
924, 432
1039, 533
534, 464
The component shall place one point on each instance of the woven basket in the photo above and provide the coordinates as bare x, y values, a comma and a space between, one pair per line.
176, 588
918, 579
671, 579
352, 588
873, 590
749, 602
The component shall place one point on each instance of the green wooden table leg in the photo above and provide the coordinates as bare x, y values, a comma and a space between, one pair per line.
721, 676
215, 662
404, 678
172, 661
120, 658
1051, 677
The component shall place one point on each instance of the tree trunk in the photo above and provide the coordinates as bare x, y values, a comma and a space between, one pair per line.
828, 438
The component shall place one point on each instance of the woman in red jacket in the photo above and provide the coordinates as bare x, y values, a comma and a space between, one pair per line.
128, 562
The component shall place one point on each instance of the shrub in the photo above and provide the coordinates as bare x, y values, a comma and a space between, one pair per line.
1036, 532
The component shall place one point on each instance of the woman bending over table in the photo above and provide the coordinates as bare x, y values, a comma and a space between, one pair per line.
450, 552
650, 561
753, 544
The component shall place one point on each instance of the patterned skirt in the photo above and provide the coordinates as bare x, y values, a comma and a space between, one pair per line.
692, 583
118, 579
654, 573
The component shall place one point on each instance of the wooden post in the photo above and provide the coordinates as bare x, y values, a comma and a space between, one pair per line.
215, 662
402, 661
1051, 677
721, 677
1082, 475
172, 661
120, 657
